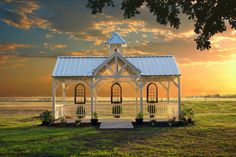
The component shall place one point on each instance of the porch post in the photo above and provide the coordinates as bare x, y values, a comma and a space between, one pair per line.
63, 93
53, 97
141, 96
179, 98
92, 94
168, 91
136, 98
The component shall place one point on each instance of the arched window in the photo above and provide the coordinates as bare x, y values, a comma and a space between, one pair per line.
80, 97
116, 93
152, 93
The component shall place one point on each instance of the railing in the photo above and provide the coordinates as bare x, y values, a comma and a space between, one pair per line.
59, 112
127, 110
160, 111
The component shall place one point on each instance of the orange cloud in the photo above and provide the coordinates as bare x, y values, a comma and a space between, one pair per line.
54, 46
90, 53
13, 46
96, 40
46, 78
23, 10
130, 26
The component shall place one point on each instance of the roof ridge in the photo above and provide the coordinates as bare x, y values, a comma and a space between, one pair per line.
82, 56
147, 56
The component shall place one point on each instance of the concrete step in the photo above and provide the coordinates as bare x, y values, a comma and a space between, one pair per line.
117, 125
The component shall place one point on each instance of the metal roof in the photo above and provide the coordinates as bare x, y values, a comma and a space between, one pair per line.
83, 66
115, 39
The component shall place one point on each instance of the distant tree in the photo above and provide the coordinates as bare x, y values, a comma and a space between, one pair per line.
209, 16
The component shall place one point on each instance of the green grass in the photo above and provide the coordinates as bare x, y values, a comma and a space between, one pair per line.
213, 135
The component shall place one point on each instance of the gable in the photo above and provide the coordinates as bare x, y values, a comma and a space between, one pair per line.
116, 65
115, 39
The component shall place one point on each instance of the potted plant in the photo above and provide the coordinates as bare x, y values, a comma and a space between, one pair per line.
189, 115
153, 122
77, 122
46, 117
80, 112
139, 118
94, 119
116, 111
152, 110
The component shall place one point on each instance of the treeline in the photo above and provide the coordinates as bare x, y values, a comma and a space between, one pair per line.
220, 96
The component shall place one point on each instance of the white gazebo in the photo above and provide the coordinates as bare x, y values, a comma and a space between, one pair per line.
145, 73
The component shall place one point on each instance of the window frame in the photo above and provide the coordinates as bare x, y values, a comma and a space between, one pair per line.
156, 89
120, 93
76, 94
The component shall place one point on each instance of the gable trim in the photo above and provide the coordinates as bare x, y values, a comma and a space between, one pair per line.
116, 55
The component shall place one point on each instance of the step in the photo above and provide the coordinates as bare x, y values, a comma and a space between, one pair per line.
116, 125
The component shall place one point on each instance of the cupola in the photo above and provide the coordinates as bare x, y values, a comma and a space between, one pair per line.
116, 43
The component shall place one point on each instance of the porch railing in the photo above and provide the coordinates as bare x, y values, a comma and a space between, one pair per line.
127, 110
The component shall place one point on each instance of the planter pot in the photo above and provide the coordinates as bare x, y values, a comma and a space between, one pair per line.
152, 116
94, 121
139, 121
170, 124
116, 116
189, 120
81, 116
45, 123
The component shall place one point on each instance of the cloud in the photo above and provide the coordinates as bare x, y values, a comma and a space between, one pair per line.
20, 14
13, 46
54, 46
102, 52
232, 59
46, 78
11, 61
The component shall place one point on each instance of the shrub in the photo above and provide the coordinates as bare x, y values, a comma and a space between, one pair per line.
139, 118
153, 122
46, 117
95, 115
139, 115
187, 114
116, 111
77, 122
80, 112
94, 119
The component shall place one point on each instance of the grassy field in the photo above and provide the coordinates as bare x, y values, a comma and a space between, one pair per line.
214, 134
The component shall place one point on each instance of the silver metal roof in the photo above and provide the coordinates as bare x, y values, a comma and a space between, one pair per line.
83, 66
115, 39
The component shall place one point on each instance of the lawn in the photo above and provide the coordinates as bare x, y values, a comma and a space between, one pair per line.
214, 134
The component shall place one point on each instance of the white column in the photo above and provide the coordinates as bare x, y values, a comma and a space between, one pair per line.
95, 100
179, 98
168, 91
63, 93
92, 94
141, 96
63, 98
136, 98
54, 98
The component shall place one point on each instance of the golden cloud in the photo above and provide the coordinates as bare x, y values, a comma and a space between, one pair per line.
89, 53
129, 26
232, 59
54, 46
12, 61
13, 46
23, 11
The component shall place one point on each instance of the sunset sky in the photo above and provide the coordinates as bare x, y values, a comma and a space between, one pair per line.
34, 33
